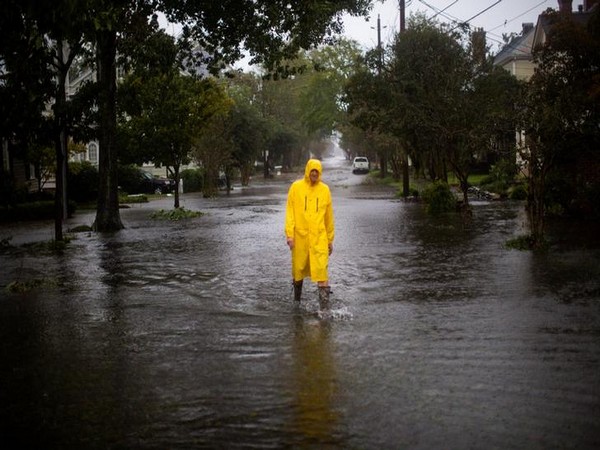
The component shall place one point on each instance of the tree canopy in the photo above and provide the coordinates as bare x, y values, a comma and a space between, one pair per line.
560, 116
435, 100
214, 35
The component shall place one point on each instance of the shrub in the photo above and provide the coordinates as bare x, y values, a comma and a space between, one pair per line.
439, 198
32, 211
412, 192
193, 180
82, 182
518, 192
130, 178
500, 178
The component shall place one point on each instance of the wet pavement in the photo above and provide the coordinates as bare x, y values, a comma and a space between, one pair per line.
185, 335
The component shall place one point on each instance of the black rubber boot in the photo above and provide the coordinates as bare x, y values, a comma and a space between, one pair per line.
298, 290
324, 297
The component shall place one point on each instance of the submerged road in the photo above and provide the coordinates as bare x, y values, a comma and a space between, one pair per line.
184, 335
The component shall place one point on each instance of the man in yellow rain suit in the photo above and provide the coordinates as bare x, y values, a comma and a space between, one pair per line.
309, 230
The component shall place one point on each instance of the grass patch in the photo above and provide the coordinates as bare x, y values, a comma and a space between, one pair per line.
135, 198
525, 243
175, 214
80, 229
21, 287
413, 192
48, 247
473, 180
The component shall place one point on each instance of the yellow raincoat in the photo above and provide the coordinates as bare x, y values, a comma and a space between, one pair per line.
309, 221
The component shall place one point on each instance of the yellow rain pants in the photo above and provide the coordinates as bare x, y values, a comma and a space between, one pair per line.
309, 221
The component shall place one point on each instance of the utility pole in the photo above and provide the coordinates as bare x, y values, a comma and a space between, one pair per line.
402, 16
379, 55
405, 172
382, 155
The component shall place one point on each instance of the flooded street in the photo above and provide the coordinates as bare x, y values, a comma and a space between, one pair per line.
185, 335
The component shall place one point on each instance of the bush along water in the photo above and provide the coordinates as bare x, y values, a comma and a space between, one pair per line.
439, 198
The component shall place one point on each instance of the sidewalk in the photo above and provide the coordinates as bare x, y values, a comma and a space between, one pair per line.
24, 232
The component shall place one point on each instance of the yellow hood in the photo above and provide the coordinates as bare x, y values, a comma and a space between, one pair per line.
312, 164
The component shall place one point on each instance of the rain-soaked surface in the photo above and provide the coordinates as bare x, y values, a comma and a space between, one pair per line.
185, 335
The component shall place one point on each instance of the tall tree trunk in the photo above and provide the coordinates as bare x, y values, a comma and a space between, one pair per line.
176, 170
538, 166
59, 186
382, 164
4, 178
535, 207
405, 175
245, 171
108, 217
60, 143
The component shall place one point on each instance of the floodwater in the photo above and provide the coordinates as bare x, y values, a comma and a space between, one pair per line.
184, 335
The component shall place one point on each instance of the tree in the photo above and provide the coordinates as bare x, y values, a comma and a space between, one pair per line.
366, 95
429, 72
173, 110
67, 41
444, 104
213, 148
246, 125
320, 102
110, 20
561, 113
288, 140
248, 136
45, 38
270, 31
163, 110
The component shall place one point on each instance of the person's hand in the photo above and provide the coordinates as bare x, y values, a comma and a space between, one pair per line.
330, 249
290, 242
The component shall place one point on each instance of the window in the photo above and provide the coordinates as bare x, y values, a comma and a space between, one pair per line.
93, 153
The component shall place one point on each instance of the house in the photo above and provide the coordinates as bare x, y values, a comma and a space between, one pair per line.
15, 173
516, 56
77, 77
581, 16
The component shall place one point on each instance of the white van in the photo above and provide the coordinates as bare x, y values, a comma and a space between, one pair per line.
360, 165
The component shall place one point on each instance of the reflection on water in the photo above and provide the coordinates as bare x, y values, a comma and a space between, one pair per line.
315, 418
185, 335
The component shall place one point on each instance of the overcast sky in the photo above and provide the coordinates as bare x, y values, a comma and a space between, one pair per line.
504, 16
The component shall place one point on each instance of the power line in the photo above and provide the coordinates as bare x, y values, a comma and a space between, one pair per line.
458, 21
520, 15
478, 14
491, 36
442, 10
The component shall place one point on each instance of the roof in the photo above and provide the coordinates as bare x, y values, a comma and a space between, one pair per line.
544, 24
518, 48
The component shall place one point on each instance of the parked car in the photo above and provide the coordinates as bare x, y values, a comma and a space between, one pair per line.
134, 180
360, 165
156, 185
